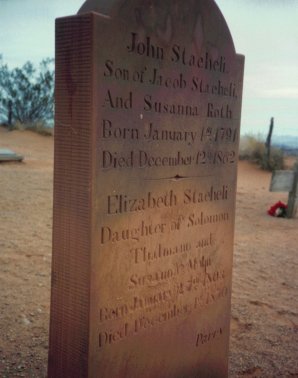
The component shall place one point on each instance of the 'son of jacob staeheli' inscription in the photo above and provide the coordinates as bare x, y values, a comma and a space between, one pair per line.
148, 102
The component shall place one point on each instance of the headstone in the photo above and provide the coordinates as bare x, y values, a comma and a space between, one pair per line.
286, 181
148, 99
7, 154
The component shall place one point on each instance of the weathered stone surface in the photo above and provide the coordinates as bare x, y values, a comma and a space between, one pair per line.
148, 99
286, 181
8, 155
282, 181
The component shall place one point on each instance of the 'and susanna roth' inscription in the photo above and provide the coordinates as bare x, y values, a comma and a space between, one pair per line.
152, 105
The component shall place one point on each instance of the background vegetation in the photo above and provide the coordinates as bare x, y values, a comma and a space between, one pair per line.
27, 95
254, 149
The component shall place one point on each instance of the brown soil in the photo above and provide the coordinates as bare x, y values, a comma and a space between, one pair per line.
264, 340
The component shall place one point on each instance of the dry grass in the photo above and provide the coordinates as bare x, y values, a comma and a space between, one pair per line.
253, 149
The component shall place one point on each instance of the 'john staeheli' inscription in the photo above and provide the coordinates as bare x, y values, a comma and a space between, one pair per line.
178, 54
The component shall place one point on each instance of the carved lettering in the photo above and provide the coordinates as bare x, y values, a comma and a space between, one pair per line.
193, 196
122, 203
144, 229
123, 74
112, 336
223, 111
144, 255
111, 132
202, 219
160, 80
154, 134
206, 62
157, 106
145, 47
118, 102
204, 338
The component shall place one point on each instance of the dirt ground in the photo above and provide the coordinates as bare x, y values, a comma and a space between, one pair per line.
264, 328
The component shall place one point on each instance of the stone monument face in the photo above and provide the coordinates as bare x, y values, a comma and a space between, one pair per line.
148, 102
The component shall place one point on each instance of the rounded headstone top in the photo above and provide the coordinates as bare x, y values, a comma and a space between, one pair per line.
169, 19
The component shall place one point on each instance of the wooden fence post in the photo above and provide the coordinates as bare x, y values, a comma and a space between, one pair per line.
293, 195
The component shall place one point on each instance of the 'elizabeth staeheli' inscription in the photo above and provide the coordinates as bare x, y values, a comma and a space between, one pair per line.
124, 203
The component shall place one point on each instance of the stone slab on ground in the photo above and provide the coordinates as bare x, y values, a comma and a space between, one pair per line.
8, 155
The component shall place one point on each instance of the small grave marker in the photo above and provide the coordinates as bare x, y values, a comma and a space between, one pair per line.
8, 155
286, 181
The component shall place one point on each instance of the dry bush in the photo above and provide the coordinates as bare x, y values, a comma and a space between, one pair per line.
37, 127
253, 149
40, 128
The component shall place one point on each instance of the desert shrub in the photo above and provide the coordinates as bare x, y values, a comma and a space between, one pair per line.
253, 149
275, 162
40, 128
27, 93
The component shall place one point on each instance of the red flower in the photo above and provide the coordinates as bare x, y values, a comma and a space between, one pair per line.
278, 210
